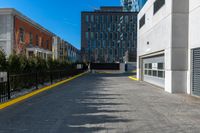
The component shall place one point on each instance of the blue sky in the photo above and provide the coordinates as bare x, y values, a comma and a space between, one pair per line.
61, 17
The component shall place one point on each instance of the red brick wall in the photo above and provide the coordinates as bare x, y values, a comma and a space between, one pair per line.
20, 47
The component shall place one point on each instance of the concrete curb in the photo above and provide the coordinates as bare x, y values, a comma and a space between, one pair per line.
31, 94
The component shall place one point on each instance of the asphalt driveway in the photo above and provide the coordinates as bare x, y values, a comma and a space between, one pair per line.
103, 103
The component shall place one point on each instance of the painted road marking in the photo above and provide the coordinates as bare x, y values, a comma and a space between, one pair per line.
133, 78
26, 96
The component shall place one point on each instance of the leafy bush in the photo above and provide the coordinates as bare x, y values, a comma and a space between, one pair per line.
21, 64
23, 70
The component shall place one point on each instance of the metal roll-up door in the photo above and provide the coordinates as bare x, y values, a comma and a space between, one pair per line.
196, 71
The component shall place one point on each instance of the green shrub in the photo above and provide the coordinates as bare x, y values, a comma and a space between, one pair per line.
3, 63
21, 64
24, 63
14, 64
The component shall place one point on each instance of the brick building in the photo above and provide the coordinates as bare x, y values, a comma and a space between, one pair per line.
107, 34
21, 35
64, 51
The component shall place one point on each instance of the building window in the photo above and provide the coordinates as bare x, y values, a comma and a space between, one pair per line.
42, 42
111, 19
150, 66
47, 43
88, 44
126, 36
98, 27
92, 35
92, 18
157, 5
111, 36
22, 35
97, 18
126, 19
142, 21
161, 74
114, 27
146, 72
30, 38
106, 19
116, 36
116, 18
104, 27
101, 35
106, 35
86, 35
154, 73
96, 35
89, 27
94, 44
86, 18
154, 69
104, 43
146, 66
99, 44
110, 52
113, 44
160, 66
37, 40
100, 19
149, 72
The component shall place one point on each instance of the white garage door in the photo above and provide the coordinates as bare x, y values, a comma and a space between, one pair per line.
154, 70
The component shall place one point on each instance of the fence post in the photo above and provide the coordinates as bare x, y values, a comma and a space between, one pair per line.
8, 85
36, 78
51, 77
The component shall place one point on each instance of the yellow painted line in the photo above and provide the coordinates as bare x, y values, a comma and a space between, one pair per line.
133, 78
31, 94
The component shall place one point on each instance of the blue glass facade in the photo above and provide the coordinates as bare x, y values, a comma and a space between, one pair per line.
138, 4
141, 3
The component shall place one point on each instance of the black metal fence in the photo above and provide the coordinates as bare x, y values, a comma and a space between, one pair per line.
4, 92
18, 82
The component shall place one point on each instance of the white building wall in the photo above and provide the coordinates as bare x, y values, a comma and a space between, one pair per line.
156, 31
166, 31
194, 35
6, 33
179, 48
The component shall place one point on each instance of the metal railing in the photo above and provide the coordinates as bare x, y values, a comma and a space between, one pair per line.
18, 82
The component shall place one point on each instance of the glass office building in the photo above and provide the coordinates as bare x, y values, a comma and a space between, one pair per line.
107, 34
133, 5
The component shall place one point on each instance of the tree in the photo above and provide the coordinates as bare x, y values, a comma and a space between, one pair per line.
14, 64
3, 63
41, 64
24, 63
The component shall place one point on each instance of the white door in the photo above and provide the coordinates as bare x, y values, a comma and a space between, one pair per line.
154, 70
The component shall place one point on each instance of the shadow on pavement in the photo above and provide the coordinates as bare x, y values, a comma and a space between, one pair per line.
93, 107
84, 105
